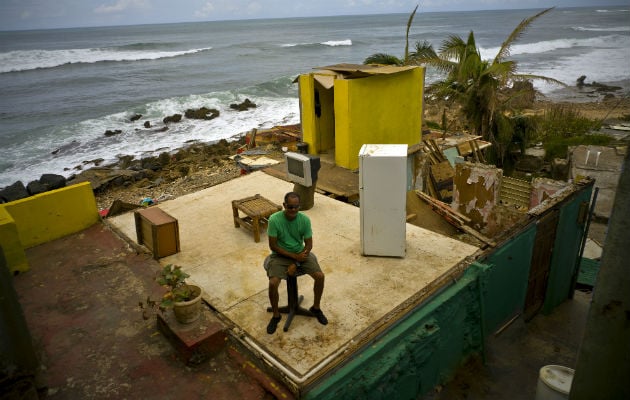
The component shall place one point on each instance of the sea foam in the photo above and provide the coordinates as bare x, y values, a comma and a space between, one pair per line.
24, 60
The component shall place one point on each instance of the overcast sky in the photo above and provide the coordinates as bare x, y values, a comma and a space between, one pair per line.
37, 14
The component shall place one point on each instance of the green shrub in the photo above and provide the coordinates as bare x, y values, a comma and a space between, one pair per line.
561, 120
557, 147
432, 125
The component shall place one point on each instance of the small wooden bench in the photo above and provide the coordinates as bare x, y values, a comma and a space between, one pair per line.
257, 209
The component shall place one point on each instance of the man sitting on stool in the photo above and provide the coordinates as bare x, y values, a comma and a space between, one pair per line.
291, 241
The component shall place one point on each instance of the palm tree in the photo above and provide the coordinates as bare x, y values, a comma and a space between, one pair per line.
481, 87
388, 59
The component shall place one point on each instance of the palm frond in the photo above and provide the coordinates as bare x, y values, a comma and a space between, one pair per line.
413, 13
545, 79
384, 59
504, 51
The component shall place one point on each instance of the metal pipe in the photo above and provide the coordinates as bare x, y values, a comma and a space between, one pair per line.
286, 371
588, 153
576, 271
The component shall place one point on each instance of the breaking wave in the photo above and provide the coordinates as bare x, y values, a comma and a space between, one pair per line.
24, 60
331, 43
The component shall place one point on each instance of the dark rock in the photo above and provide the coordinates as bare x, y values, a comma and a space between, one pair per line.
36, 187
13, 192
119, 180
172, 118
580, 81
100, 178
529, 164
164, 158
147, 124
53, 181
135, 117
601, 87
202, 113
151, 163
522, 94
65, 147
109, 132
125, 161
245, 105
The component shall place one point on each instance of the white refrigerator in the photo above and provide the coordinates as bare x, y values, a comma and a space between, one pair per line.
383, 199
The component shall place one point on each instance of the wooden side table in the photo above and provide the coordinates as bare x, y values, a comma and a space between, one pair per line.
158, 231
257, 209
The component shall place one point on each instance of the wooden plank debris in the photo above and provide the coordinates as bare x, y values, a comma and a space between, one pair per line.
456, 219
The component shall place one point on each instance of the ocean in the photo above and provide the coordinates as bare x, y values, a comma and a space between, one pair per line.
62, 89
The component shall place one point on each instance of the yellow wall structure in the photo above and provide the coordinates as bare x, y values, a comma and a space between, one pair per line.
44, 217
10, 243
378, 108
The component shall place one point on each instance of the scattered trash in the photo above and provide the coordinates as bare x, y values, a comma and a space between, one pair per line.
164, 197
147, 201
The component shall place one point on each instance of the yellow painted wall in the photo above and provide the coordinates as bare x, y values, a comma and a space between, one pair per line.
307, 111
47, 216
327, 118
380, 109
10, 243
317, 131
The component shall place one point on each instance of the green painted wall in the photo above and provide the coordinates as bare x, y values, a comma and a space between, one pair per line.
415, 355
426, 348
564, 259
503, 280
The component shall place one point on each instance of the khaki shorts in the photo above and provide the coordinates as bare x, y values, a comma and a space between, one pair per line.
277, 265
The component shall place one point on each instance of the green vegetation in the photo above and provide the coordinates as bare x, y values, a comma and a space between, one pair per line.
560, 120
557, 147
432, 125
488, 91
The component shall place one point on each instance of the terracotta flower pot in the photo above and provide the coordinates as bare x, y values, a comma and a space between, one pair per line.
189, 311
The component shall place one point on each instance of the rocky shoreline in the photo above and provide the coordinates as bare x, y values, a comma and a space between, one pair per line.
198, 166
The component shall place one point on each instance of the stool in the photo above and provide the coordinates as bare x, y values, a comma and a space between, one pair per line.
293, 308
257, 209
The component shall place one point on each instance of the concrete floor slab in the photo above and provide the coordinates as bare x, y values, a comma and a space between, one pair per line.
360, 291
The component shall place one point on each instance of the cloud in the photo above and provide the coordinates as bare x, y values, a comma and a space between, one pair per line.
254, 8
120, 5
205, 11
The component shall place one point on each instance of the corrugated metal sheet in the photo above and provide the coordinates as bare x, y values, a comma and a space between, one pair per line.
515, 191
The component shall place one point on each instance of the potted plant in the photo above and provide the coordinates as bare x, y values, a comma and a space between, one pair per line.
183, 298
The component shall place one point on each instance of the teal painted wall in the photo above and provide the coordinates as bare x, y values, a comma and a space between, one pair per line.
426, 348
415, 355
503, 280
564, 259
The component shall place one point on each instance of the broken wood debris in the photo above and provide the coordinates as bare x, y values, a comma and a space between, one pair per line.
456, 219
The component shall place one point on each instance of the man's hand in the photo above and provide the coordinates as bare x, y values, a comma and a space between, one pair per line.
301, 257
291, 270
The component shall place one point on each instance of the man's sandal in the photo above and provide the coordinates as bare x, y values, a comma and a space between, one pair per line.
273, 324
320, 315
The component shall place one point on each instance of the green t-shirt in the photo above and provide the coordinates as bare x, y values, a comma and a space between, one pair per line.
290, 234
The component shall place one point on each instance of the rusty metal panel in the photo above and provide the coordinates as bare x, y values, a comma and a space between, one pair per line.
541, 261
